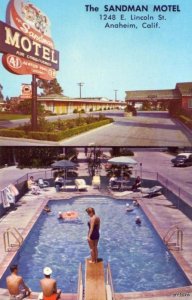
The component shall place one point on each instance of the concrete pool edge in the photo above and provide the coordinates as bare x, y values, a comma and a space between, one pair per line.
67, 196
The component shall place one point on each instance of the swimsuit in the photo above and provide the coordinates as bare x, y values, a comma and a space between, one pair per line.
17, 297
52, 297
95, 232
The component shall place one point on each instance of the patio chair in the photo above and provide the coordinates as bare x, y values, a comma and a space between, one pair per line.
96, 181
80, 184
153, 191
42, 183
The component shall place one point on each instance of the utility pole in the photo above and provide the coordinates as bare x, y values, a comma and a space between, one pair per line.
115, 95
80, 84
34, 103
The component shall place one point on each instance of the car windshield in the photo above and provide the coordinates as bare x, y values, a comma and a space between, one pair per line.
181, 157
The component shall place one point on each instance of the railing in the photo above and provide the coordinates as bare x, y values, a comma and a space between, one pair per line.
12, 231
174, 230
109, 284
80, 284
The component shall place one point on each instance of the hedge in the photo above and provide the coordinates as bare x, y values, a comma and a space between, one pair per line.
54, 136
186, 120
12, 133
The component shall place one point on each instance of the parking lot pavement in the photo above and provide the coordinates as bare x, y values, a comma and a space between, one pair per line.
155, 161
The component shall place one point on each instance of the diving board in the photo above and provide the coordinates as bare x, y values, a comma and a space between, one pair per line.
94, 281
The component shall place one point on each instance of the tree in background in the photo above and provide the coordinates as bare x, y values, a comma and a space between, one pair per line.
50, 87
36, 157
146, 105
1, 95
25, 107
121, 151
7, 156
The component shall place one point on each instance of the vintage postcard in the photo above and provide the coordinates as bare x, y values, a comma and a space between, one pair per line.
114, 73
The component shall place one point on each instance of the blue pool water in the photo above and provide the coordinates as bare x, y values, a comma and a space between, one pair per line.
138, 258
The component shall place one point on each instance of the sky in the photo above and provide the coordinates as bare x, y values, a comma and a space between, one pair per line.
109, 59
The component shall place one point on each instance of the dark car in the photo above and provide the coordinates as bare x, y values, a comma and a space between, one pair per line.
182, 160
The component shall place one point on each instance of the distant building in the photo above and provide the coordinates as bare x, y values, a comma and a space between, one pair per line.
182, 93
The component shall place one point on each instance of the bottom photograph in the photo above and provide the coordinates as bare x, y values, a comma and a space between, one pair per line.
95, 223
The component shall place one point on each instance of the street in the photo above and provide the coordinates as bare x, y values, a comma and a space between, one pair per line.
146, 129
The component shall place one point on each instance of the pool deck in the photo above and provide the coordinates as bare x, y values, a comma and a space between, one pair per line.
160, 211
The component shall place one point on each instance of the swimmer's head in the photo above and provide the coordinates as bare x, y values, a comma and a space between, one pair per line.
90, 211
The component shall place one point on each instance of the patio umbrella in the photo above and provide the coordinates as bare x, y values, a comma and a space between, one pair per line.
122, 160
64, 165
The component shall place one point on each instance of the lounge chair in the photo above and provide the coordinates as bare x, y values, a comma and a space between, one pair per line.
96, 181
153, 191
80, 184
42, 183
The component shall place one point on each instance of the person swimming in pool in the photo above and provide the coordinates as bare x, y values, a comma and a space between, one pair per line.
93, 234
47, 209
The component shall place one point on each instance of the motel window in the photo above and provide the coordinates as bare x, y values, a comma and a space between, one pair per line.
190, 103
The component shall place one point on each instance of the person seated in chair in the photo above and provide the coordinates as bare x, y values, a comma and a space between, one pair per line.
32, 185
112, 180
59, 181
136, 184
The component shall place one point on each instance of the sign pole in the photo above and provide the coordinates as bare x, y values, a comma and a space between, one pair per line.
34, 103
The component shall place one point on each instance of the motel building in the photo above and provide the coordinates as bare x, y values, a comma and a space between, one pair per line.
182, 93
58, 104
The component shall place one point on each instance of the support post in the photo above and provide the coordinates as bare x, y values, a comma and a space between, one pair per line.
34, 103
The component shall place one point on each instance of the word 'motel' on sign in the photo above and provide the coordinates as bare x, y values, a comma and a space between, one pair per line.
14, 42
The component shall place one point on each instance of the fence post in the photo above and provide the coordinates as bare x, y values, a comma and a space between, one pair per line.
179, 198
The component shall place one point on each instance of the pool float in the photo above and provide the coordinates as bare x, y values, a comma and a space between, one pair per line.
69, 215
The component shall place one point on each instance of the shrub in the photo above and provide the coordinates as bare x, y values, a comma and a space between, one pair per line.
48, 136
71, 127
91, 109
118, 151
75, 111
12, 133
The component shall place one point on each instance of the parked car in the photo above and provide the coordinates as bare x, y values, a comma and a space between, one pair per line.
182, 160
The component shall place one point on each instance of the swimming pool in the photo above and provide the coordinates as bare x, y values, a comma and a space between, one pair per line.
139, 260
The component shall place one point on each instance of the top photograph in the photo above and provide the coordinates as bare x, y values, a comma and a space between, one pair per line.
116, 73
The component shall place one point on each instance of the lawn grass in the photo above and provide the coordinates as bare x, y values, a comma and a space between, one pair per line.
6, 116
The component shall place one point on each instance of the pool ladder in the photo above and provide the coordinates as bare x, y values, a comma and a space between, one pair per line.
174, 232
12, 238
